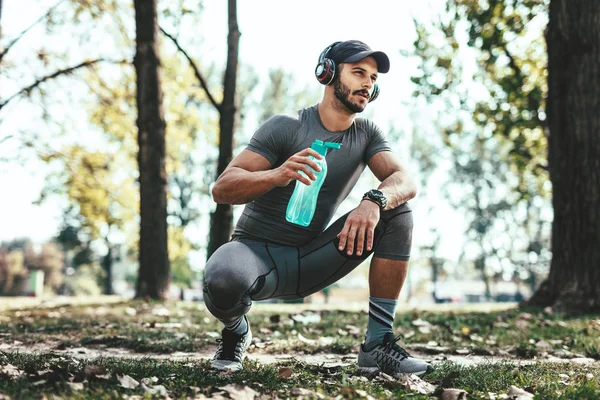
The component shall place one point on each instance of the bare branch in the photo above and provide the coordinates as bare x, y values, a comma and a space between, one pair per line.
56, 74
195, 68
5, 138
15, 40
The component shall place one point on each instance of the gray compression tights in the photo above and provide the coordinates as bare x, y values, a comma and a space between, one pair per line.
244, 270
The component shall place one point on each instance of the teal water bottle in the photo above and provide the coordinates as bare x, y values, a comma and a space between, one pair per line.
302, 204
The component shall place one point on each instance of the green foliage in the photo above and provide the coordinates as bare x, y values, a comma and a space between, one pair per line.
505, 91
279, 96
179, 248
85, 281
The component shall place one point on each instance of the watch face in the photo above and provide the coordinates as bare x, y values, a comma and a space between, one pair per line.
376, 193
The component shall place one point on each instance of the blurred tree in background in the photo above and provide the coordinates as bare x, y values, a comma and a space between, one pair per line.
482, 71
573, 41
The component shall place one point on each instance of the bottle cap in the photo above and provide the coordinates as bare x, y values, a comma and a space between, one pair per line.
321, 147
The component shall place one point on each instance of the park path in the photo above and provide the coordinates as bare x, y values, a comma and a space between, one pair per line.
326, 360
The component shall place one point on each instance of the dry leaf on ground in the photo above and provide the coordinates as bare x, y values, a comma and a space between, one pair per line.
415, 384
285, 373
10, 371
155, 390
75, 385
453, 394
240, 392
516, 393
127, 382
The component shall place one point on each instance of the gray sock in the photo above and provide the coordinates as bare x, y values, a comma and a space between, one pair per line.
239, 326
381, 319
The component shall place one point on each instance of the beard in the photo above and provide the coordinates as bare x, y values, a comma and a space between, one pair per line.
343, 93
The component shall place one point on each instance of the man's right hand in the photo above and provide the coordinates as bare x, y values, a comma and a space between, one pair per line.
289, 170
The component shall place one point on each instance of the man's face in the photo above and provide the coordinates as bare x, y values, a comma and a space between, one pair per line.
353, 85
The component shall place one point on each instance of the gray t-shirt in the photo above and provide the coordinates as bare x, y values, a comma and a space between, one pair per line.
278, 139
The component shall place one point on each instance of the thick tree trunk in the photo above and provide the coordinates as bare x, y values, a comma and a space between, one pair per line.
153, 278
221, 221
573, 40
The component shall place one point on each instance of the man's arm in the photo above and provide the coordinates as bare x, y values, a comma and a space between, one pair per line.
397, 186
249, 175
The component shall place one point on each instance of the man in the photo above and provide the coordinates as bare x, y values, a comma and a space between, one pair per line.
269, 257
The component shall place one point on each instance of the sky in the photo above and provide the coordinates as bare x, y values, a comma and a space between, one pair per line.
273, 34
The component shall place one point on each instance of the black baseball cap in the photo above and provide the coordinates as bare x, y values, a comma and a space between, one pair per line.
354, 50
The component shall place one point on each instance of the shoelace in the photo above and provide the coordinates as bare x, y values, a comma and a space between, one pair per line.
393, 346
230, 348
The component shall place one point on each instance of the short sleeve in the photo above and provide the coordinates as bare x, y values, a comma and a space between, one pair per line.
377, 142
270, 138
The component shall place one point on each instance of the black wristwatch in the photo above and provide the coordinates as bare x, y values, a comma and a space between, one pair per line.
376, 196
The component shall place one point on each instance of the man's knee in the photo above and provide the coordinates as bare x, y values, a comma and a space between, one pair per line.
225, 286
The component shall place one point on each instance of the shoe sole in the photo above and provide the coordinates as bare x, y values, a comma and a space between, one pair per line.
376, 370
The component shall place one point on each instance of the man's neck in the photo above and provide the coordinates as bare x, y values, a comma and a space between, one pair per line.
334, 119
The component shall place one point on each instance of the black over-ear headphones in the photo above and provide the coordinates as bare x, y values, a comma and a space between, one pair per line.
326, 68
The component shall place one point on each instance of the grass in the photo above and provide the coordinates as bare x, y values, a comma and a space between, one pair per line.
145, 329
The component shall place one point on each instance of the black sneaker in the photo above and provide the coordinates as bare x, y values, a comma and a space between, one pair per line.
389, 358
231, 351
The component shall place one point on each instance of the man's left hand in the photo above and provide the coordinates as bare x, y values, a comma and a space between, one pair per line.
360, 225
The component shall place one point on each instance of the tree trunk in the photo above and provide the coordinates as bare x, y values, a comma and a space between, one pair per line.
221, 220
153, 275
107, 263
573, 40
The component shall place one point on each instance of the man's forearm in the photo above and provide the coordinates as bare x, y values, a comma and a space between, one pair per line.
238, 186
398, 188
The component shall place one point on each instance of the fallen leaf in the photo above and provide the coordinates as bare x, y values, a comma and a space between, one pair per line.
543, 345
158, 390
326, 340
75, 385
285, 373
149, 381
10, 371
307, 318
127, 382
305, 340
414, 383
453, 394
161, 311
240, 392
383, 377
421, 322
424, 329
519, 394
